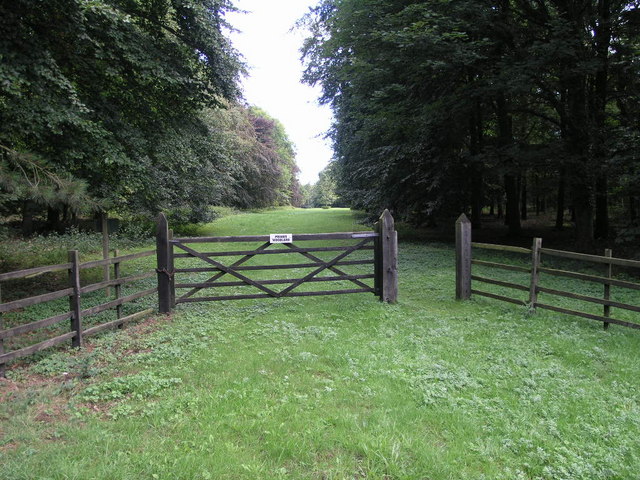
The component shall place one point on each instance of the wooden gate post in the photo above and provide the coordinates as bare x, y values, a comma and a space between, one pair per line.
164, 254
535, 273
388, 258
463, 258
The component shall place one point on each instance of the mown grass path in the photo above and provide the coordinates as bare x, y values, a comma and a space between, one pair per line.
334, 388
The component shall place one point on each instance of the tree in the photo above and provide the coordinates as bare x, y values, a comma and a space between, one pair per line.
324, 190
27, 182
433, 98
95, 87
275, 143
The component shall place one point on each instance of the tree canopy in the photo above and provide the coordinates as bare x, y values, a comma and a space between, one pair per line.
134, 103
445, 105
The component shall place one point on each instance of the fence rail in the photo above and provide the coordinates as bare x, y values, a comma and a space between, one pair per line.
76, 313
464, 277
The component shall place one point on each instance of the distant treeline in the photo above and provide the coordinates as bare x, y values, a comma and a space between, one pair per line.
130, 107
443, 106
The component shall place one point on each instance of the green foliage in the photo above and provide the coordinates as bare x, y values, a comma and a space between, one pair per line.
117, 95
29, 179
62, 364
276, 154
132, 101
337, 387
323, 192
52, 249
92, 93
138, 386
436, 101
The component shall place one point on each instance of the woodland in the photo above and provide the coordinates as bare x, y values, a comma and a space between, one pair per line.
503, 107
443, 106
130, 107
440, 106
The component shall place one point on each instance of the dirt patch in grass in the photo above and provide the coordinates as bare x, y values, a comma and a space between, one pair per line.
28, 381
8, 447
44, 398
53, 412
149, 325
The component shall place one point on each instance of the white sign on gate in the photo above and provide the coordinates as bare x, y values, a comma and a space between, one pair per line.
281, 238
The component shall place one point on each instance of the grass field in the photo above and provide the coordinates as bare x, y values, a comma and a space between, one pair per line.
340, 387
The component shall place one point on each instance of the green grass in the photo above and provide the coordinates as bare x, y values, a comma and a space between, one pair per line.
337, 387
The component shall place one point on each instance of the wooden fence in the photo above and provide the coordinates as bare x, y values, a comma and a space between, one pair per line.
385, 277
76, 313
535, 269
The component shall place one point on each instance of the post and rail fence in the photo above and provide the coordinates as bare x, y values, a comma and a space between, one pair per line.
384, 276
383, 242
76, 313
465, 277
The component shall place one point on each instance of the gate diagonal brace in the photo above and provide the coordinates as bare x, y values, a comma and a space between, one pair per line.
219, 275
324, 266
333, 269
226, 269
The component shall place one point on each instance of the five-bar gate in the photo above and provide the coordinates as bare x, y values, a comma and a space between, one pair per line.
228, 273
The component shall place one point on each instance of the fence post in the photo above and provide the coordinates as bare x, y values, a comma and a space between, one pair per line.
607, 287
463, 258
535, 273
164, 270
118, 286
104, 225
2, 365
389, 261
74, 299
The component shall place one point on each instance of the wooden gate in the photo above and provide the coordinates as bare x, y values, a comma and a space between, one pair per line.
176, 269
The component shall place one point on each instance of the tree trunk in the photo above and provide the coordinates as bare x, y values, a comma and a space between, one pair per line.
27, 218
575, 110
601, 227
523, 191
583, 210
602, 45
581, 166
513, 214
633, 214
584, 222
475, 148
476, 201
560, 202
53, 220
505, 138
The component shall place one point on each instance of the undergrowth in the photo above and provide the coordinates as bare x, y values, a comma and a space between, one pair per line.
51, 249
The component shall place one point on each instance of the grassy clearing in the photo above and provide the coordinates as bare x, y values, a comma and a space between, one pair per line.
333, 388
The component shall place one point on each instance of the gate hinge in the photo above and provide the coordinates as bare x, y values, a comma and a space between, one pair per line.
168, 273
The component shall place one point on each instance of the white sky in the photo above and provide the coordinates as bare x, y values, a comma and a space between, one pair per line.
272, 55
